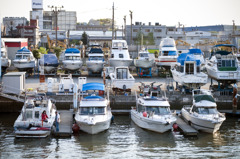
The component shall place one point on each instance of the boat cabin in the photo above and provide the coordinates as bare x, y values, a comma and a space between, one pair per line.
226, 62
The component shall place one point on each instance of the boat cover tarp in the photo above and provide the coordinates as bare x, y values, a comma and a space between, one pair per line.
96, 50
72, 50
195, 51
93, 86
201, 97
225, 45
23, 50
49, 60
187, 57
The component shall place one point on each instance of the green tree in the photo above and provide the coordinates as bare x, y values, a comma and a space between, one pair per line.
36, 54
84, 38
75, 42
42, 50
57, 51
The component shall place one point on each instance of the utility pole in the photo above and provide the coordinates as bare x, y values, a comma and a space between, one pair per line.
124, 26
131, 25
113, 21
56, 10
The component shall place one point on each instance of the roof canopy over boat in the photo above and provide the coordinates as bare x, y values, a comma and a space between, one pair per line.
187, 57
23, 50
93, 86
72, 50
167, 42
195, 51
203, 100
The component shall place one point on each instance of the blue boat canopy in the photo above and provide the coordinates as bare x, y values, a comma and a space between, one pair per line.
93, 86
72, 50
226, 45
187, 57
23, 50
93, 97
195, 51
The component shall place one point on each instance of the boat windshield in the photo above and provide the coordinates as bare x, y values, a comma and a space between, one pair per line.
72, 58
95, 58
206, 110
119, 44
158, 110
18, 57
143, 55
92, 110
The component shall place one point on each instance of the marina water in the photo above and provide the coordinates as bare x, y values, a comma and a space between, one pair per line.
123, 140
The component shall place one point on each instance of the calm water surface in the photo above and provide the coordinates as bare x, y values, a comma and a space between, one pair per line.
123, 140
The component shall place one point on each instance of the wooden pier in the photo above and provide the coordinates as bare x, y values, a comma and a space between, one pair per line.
65, 126
186, 129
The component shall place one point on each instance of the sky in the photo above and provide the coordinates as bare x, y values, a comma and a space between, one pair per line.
165, 12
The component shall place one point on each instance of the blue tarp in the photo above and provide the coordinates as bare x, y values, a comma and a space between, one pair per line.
23, 50
93, 86
49, 60
195, 51
187, 57
72, 50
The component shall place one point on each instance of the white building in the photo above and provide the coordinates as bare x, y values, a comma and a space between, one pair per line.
37, 12
198, 37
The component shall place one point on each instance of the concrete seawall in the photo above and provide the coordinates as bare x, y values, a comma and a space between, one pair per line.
121, 102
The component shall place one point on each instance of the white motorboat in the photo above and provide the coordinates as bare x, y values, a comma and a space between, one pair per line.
94, 113
24, 59
144, 60
121, 78
223, 64
167, 53
152, 112
187, 71
72, 60
29, 123
119, 54
203, 114
95, 60
5, 61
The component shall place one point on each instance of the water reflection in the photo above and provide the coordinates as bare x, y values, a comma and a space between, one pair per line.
124, 139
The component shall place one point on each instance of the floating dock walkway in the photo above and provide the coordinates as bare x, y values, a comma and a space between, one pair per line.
65, 126
186, 129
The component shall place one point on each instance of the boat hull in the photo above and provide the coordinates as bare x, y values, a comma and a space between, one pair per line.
204, 125
192, 81
24, 64
95, 66
222, 75
166, 61
119, 83
32, 133
143, 63
120, 62
72, 65
5, 62
95, 128
149, 124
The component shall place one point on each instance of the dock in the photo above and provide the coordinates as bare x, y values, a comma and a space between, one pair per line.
65, 126
186, 129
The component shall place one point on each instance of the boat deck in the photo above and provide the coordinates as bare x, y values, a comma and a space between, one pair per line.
186, 129
65, 126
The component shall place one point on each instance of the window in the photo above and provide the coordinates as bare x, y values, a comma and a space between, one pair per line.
29, 114
18, 57
158, 110
189, 68
203, 110
135, 30
121, 73
92, 110
158, 30
120, 55
147, 30
112, 55
36, 114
